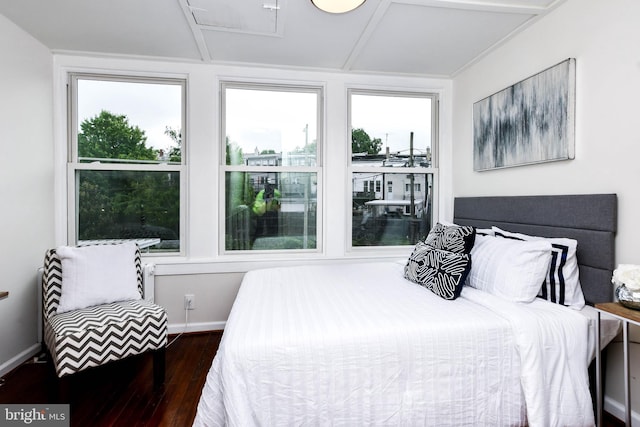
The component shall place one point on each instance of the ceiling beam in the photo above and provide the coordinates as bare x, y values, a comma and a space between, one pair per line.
366, 34
486, 6
195, 30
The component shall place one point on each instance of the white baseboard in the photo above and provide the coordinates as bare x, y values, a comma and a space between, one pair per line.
616, 409
178, 328
19, 359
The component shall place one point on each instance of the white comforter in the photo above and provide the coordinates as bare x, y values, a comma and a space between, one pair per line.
357, 344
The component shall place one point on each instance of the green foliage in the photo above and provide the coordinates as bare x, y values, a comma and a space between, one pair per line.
361, 142
175, 154
125, 203
234, 154
238, 190
284, 242
128, 204
110, 136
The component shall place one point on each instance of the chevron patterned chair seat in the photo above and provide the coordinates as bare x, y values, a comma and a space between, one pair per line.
92, 336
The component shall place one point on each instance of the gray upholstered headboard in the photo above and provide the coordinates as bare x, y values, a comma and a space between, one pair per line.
591, 219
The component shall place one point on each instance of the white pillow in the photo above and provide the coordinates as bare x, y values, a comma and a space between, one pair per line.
100, 274
510, 269
562, 285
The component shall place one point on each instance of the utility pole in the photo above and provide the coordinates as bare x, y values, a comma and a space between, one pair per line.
412, 178
307, 190
413, 224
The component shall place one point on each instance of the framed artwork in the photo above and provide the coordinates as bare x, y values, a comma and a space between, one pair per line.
532, 121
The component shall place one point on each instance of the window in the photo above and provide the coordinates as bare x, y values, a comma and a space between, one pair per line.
126, 160
271, 166
393, 141
416, 187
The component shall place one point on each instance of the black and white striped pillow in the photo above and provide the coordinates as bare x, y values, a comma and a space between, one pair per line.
453, 238
442, 272
562, 284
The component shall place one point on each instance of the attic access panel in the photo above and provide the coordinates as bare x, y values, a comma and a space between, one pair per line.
244, 16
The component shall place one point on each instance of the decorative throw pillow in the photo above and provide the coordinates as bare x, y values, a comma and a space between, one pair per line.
562, 284
510, 269
94, 275
442, 272
454, 238
483, 231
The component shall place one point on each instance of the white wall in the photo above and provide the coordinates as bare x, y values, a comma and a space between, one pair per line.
26, 192
604, 37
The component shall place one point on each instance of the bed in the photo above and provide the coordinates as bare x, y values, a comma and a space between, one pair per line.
358, 344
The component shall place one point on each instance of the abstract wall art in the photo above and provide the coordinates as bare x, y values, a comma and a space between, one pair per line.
532, 121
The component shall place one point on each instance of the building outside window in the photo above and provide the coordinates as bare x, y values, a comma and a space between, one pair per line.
271, 167
126, 160
394, 140
416, 186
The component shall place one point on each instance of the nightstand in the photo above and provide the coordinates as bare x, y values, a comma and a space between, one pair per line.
626, 315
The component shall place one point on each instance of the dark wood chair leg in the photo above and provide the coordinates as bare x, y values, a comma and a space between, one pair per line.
59, 388
159, 362
64, 389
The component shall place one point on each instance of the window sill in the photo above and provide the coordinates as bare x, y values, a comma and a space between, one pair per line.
233, 264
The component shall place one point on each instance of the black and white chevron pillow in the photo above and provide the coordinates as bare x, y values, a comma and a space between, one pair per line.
442, 272
453, 238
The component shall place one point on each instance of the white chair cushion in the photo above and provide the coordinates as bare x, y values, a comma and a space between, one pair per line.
93, 275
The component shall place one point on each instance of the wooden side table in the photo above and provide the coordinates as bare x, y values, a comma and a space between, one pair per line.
626, 315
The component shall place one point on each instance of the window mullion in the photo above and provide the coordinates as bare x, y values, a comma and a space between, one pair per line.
127, 167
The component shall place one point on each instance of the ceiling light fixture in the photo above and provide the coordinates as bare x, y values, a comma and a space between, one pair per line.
337, 6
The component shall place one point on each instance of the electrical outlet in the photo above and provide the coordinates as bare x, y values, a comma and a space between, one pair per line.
189, 302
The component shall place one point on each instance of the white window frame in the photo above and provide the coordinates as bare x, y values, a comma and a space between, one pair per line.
73, 165
433, 169
317, 169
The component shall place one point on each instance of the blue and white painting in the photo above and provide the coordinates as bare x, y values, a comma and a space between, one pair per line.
530, 122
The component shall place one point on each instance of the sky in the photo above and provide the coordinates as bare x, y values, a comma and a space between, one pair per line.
151, 107
392, 119
269, 120
262, 119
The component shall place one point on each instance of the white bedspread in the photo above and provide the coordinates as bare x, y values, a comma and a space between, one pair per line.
357, 344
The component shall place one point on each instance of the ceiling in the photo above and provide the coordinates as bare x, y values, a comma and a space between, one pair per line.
418, 37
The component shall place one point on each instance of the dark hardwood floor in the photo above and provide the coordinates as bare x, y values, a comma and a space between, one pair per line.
122, 393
